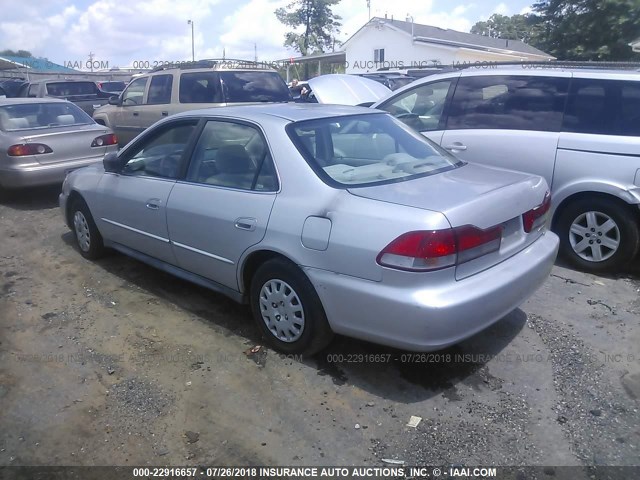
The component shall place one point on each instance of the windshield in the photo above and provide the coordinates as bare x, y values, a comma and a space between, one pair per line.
66, 89
364, 150
254, 86
41, 115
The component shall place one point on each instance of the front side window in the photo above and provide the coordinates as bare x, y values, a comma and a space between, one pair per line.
160, 89
160, 155
134, 92
422, 107
254, 86
509, 103
605, 107
363, 150
232, 155
200, 87
41, 115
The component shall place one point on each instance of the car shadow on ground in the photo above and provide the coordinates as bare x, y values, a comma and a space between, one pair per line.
631, 271
29, 199
385, 372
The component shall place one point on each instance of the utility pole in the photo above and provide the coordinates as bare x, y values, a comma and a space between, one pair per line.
369, 8
91, 55
193, 51
255, 52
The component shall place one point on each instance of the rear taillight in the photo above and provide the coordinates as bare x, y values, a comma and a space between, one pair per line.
104, 140
24, 149
537, 217
435, 249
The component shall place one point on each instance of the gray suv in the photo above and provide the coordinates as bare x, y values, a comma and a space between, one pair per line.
577, 128
171, 89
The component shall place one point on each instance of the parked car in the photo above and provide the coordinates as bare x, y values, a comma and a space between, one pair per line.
340, 89
578, 128
43, 139
172, 89
83, 93
114, 87
308, 211
11, 87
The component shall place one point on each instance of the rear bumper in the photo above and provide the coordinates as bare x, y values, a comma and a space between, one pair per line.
36, 174
425, 318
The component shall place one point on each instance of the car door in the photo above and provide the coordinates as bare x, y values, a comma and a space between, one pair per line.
158, 100
131, 205
126, 120
508, 121
223, 205
423, 107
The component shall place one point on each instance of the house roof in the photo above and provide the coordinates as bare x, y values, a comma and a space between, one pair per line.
430, 34
8, 62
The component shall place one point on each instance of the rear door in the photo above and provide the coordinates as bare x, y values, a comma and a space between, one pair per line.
423, 107
126, 119
131, 207
508, 121
223, 206
158, 100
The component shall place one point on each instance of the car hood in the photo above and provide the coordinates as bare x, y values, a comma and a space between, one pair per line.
468, 195
347, 89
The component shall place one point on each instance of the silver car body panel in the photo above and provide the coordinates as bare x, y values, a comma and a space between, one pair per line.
333, 234
343, 89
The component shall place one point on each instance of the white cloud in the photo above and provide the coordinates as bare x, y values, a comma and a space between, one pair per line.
501, 9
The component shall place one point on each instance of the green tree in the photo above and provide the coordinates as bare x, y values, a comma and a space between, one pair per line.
16, 53
319, 25
525, 28
587, 29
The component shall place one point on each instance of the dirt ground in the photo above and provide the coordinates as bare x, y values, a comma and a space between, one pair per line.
114, 363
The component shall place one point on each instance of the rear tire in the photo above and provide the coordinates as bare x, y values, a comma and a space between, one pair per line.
287, 309
598, 234
86, 233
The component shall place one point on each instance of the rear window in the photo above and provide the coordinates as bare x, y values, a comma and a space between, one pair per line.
366, 150
65, 89
41, 115
254, 87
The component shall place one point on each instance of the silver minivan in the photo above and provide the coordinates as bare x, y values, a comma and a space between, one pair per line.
578, 128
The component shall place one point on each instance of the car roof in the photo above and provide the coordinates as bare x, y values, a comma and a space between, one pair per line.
20, 100
293, 112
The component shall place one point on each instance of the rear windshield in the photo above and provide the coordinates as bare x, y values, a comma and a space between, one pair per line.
65, 89
113, 86
41, 115
254, 87
365, 150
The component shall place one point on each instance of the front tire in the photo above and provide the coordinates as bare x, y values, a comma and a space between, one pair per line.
287, 309
86, 233
598, 235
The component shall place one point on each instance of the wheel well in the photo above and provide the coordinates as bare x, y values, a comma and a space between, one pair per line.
100, 121
582, 195
73, 196
253, 262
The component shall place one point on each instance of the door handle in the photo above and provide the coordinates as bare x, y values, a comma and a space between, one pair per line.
456, 146
135, 114
246, 223
153, 204
165, 114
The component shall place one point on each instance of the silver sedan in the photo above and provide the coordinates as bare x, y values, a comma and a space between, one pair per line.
41, 140
326, 219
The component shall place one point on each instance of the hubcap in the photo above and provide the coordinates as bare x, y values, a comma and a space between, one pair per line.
82, 231
594, 236
281, 310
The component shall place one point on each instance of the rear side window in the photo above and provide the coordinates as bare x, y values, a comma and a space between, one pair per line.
160, 89
254, 86
200, 87
606, 107
66, 89
508, 102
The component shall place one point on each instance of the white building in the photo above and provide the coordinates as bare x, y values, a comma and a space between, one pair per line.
384, 42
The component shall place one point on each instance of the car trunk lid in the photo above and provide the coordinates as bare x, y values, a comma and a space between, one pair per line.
473, 195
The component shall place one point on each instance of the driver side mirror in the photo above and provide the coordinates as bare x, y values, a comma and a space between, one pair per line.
111, 162
114, 100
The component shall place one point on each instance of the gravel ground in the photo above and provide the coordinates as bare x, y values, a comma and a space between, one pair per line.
115, 363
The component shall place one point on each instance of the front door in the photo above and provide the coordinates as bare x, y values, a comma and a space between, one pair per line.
126, 120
